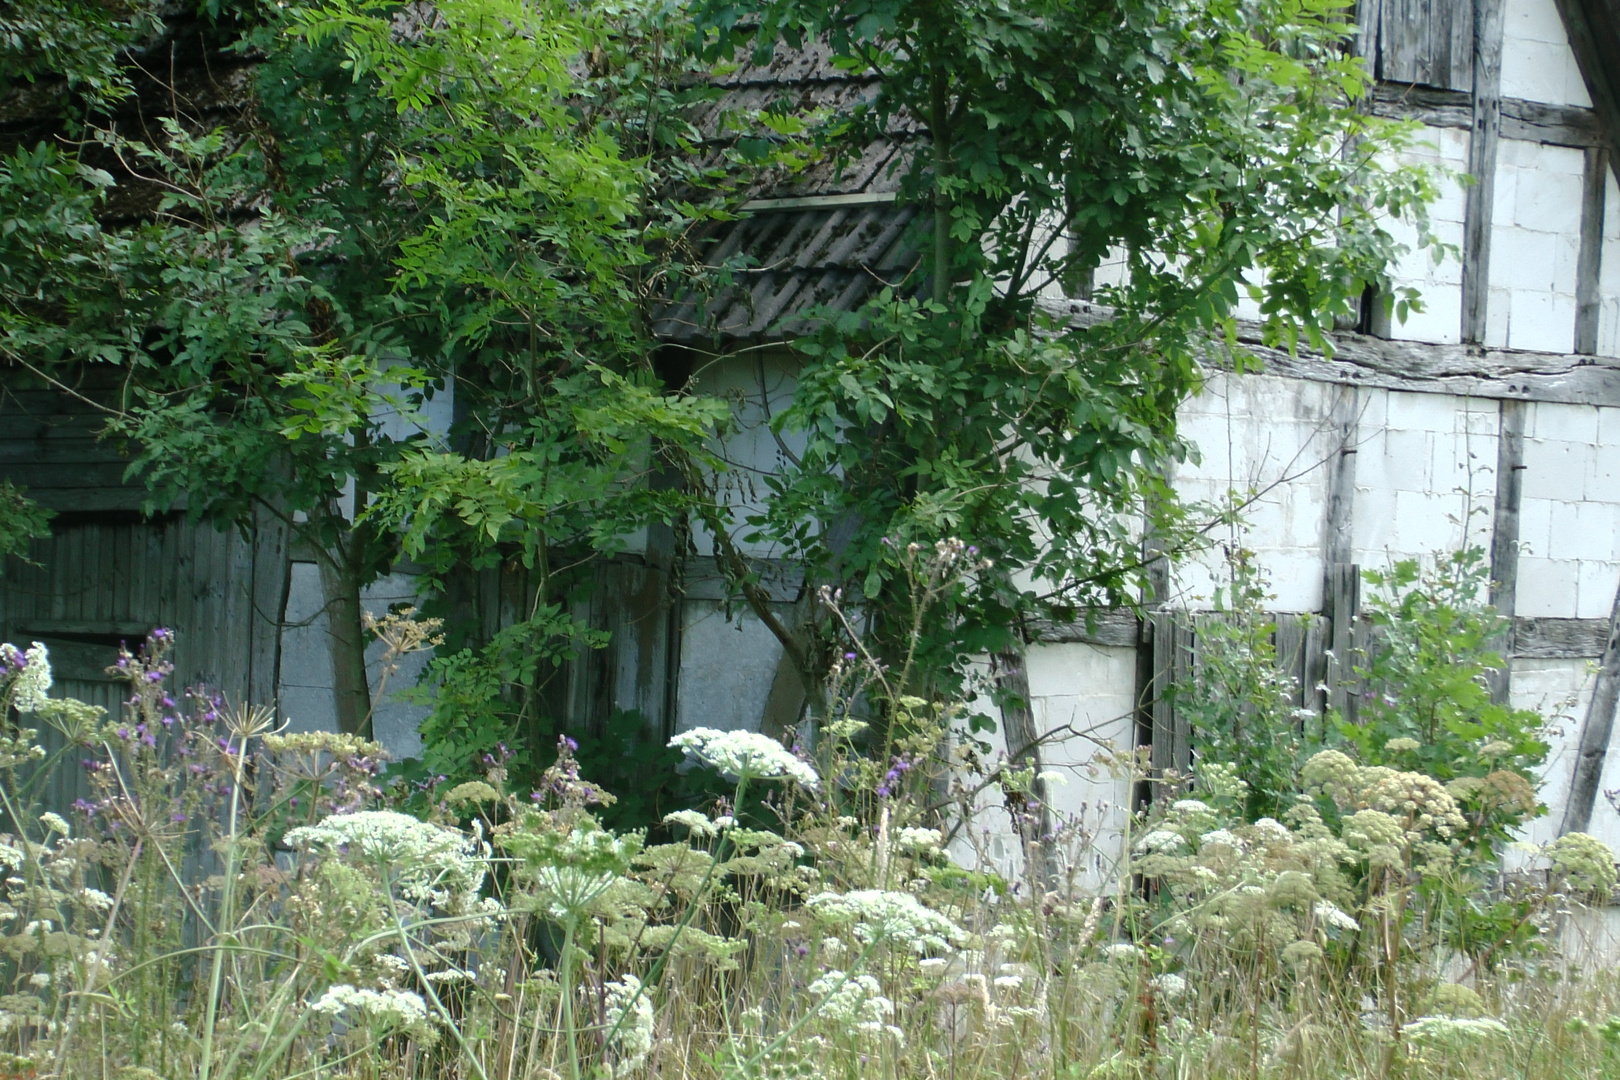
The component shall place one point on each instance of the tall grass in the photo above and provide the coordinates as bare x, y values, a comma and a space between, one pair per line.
234, 902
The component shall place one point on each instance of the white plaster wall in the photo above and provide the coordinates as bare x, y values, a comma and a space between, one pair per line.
1560, 690
758, 385
1270, 436
305, 698
1535, 245
727, 666
1569, 519
1439, 283
1425, 472
1537, 62
1608, 342
1085, 695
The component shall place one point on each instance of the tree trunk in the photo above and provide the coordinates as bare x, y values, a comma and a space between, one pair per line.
346, 638
1033, 822
939, 125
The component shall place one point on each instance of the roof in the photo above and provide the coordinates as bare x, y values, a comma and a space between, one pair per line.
833, 234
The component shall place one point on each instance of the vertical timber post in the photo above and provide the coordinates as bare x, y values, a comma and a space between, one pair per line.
1481, 196
1505, 537
1341, 577
1596, 732
1024, 751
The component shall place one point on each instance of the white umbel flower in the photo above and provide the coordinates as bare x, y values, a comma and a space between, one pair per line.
898, 917
922, 841
428, 864
386, 1008
1454, 1029
746, 755
33, 676
1332, 915
853, 999
629, 1037
694, 821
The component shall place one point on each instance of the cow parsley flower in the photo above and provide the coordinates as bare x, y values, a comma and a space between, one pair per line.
1161, 842
1332, 915
878, 915
96, 900
426, 863
1223, 838
1452, 1029
922, 841
385, 1008
571, 870
745, 755
853, 999
694, 821
31, 672
1170, 986
630, 1038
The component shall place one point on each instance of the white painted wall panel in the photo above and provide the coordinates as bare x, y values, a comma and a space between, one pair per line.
1561, 691
1085, 693
1537, 62
1440, 284
305, 699
1535, 246
759, 385
1270, 436
727, 666
1569, 526
1425, 475
1608, 342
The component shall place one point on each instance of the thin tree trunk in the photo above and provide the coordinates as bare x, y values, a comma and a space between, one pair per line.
939, 123
1034, 823
346, 639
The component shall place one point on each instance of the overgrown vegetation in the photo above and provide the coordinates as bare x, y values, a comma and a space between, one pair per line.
491, 197
229, 900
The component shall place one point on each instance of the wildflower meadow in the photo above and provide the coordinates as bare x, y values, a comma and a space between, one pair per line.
231, 900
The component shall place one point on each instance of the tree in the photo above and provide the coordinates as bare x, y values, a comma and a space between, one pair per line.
416, 197
1216, 150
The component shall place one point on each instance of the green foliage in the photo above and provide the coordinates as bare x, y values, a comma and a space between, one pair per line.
1239, 704
1425, 700
1219, 149
398, 213
76, 41
21, 520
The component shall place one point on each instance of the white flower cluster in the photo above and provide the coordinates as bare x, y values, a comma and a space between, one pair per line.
387, 1008
572, 870
879, 915
1330, 914
695, 822
921, 841
1161, 842
1454, 1029
745, 755
633, 1039
427, 863
33, 676
853, 999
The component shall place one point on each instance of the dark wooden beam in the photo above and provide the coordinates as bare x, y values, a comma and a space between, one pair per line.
1596, 732
1559, 639
1589, 264
1594, 36
1480, 199
1505, 534
1522, 121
